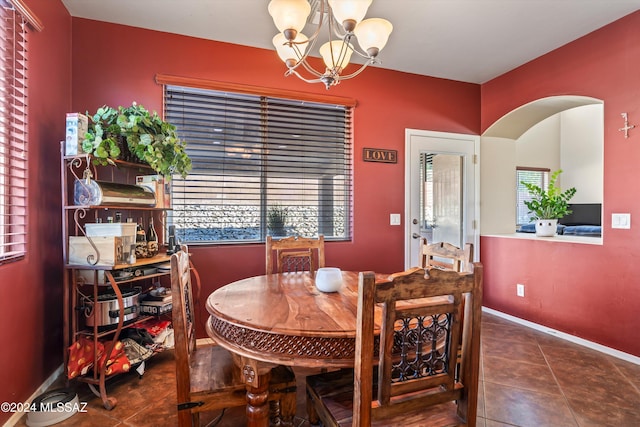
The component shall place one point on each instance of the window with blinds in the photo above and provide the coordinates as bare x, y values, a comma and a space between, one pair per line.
537, 176
13, 132
260, 165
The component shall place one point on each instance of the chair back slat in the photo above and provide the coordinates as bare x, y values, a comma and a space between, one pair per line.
446, 256
292, 254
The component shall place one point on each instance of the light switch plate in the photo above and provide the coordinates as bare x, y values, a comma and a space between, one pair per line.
620, 220
394, 219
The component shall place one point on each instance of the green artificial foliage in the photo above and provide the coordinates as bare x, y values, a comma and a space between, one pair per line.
148, 138
550, 204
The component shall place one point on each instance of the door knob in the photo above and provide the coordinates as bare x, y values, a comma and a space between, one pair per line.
416, 236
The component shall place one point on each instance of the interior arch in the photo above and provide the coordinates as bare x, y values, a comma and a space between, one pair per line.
516, 122
499, 157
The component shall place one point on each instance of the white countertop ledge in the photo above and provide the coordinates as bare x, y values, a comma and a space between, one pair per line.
555, 239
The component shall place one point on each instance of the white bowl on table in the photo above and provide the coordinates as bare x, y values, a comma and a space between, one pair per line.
328, 279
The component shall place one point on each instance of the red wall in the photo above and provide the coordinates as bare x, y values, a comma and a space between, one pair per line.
116, 64
30, 289
586, 290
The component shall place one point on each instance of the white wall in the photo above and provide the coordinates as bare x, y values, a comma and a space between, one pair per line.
539, 147
581, 152
497, 186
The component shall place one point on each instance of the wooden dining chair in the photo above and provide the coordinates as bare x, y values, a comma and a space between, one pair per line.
292, 254
413, 343
445, 255
207, 379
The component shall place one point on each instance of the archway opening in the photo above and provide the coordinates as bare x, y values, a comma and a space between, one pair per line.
560, 132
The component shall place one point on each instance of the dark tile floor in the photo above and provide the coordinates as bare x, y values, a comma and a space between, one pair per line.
528, 378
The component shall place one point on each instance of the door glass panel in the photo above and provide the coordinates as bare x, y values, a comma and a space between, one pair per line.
441, 202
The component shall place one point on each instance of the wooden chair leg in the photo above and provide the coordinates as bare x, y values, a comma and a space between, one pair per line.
282, 409
288, 408
312, 414
275, 417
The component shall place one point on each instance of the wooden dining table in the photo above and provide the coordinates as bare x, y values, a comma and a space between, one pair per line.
283, 319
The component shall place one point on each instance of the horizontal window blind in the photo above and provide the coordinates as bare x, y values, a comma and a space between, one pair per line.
253, 155
539, 177
13, 133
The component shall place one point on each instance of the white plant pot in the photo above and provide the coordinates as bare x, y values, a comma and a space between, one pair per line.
546, 227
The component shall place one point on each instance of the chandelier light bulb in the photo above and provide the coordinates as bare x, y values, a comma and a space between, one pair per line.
349, 12
286, 52
336, 54
289, 14
373, 34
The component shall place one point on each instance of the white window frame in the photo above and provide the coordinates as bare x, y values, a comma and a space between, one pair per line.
538, 176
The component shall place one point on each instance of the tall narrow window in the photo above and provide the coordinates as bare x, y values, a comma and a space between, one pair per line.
260, 165
14, 18
537, 176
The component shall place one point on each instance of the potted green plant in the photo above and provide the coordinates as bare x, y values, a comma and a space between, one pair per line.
128, 133
546, 207
276, 219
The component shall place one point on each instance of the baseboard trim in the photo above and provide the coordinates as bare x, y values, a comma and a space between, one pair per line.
572, 338
43, 387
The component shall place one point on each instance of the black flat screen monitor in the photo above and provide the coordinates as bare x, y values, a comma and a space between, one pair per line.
583, 214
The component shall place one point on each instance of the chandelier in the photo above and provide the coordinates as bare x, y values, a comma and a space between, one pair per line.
345, 24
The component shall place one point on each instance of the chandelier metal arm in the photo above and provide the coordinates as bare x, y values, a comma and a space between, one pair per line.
302, 60
363, 54
342, 54
295, 73
308, 67
355, 73
314, 36
336, 28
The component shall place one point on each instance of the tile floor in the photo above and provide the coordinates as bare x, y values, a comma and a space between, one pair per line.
528, 378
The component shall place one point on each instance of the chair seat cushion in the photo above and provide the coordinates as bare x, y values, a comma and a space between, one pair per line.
332, 394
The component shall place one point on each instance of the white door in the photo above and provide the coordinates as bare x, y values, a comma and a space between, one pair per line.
441, 190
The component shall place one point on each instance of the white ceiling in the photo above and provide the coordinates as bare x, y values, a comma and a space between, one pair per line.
466, 40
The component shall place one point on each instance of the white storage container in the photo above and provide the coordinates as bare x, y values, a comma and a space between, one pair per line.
111, 229
126, 230
82, 252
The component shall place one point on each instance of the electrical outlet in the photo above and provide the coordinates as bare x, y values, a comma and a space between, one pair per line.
520, 290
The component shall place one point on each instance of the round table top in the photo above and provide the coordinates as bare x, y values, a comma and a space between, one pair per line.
283, 318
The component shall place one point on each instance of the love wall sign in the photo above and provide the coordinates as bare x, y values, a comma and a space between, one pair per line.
379, 155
